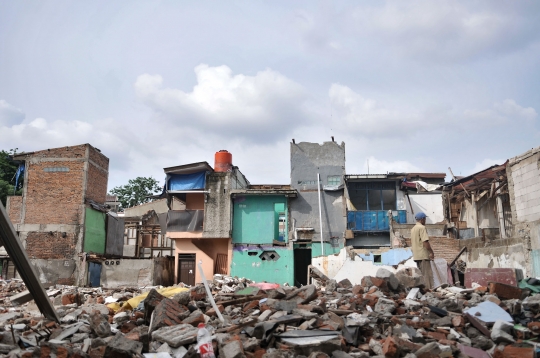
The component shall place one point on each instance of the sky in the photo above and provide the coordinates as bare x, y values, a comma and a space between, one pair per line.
409, 86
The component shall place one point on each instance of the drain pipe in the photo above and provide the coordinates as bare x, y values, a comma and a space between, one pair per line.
320, 210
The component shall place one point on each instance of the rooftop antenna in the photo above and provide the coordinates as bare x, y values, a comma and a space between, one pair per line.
368, 166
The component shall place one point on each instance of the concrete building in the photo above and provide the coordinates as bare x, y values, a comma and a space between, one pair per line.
262, 245
318, 166
53, 213
202, 231
376, 201
496, 215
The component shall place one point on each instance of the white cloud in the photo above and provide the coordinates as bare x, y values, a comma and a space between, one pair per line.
486, 163
9, 115
511, 109
368, 118
259, 107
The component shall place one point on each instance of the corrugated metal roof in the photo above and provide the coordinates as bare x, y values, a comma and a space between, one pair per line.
480, 179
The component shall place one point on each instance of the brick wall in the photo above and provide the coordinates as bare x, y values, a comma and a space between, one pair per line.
76, 151
54, 197
96, 184
14, 205
98, 175
479, 242
443, 247
43, 245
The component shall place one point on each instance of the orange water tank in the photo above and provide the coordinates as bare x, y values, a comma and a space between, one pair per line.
223, 161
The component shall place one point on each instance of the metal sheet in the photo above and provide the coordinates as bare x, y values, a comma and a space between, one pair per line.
483, 276
115, 236
17, 253
489, 312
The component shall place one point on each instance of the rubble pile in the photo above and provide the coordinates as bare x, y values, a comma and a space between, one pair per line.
8, 288
388, 315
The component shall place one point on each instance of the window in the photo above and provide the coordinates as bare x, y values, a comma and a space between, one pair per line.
269, 256
379, 195
56, 169
334, 180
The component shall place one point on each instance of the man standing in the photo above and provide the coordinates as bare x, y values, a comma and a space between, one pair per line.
422, 252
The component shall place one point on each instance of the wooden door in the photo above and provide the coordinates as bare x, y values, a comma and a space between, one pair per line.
186, 269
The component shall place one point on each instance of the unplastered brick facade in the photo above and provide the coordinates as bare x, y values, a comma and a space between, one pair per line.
50, 215
443, 247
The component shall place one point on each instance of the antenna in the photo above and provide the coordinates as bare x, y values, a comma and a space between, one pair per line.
368, 166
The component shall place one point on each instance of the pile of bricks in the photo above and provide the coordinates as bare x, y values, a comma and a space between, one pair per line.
388, 315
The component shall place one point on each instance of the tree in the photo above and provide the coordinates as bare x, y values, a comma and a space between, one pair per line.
7, 175
136, 192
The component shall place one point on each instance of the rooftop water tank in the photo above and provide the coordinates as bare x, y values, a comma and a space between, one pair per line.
223, 161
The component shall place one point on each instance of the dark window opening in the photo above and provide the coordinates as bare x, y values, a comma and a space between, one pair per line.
252, 253
269, 256
373, 195
377, 258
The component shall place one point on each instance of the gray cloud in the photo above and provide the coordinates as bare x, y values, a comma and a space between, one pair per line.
10, 115
442, 31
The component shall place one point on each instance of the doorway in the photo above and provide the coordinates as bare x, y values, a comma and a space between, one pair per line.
186, 269
94, 274
302, 259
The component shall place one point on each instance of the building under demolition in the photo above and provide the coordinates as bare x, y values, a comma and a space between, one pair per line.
345, 225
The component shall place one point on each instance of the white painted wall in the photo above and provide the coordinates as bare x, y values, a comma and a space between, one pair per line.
330, 265
429, 203
340, 267
486, 215
514, 256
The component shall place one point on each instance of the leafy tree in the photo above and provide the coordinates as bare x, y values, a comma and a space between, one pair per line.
7, 175
136, 192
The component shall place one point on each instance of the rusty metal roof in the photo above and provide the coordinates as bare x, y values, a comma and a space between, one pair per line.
481, 179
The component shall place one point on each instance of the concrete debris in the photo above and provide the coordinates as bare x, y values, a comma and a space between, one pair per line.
389, 315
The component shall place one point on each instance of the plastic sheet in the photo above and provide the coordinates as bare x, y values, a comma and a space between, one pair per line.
186, 181
166, 291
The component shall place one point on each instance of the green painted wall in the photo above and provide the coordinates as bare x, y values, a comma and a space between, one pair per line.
328, 249
252, 267
256, 219
94, 231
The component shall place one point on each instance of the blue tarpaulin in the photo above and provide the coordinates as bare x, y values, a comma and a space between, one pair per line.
20, 171
186, 181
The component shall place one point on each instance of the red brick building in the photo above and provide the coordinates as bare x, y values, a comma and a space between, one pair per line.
50, 215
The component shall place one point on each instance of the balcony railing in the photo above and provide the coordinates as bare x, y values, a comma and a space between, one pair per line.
373, 220
185, 220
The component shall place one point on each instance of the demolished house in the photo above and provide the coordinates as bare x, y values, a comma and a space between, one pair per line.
495, 215
347, 233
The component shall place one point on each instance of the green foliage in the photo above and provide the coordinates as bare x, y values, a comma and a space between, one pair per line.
7, 175
136, 191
